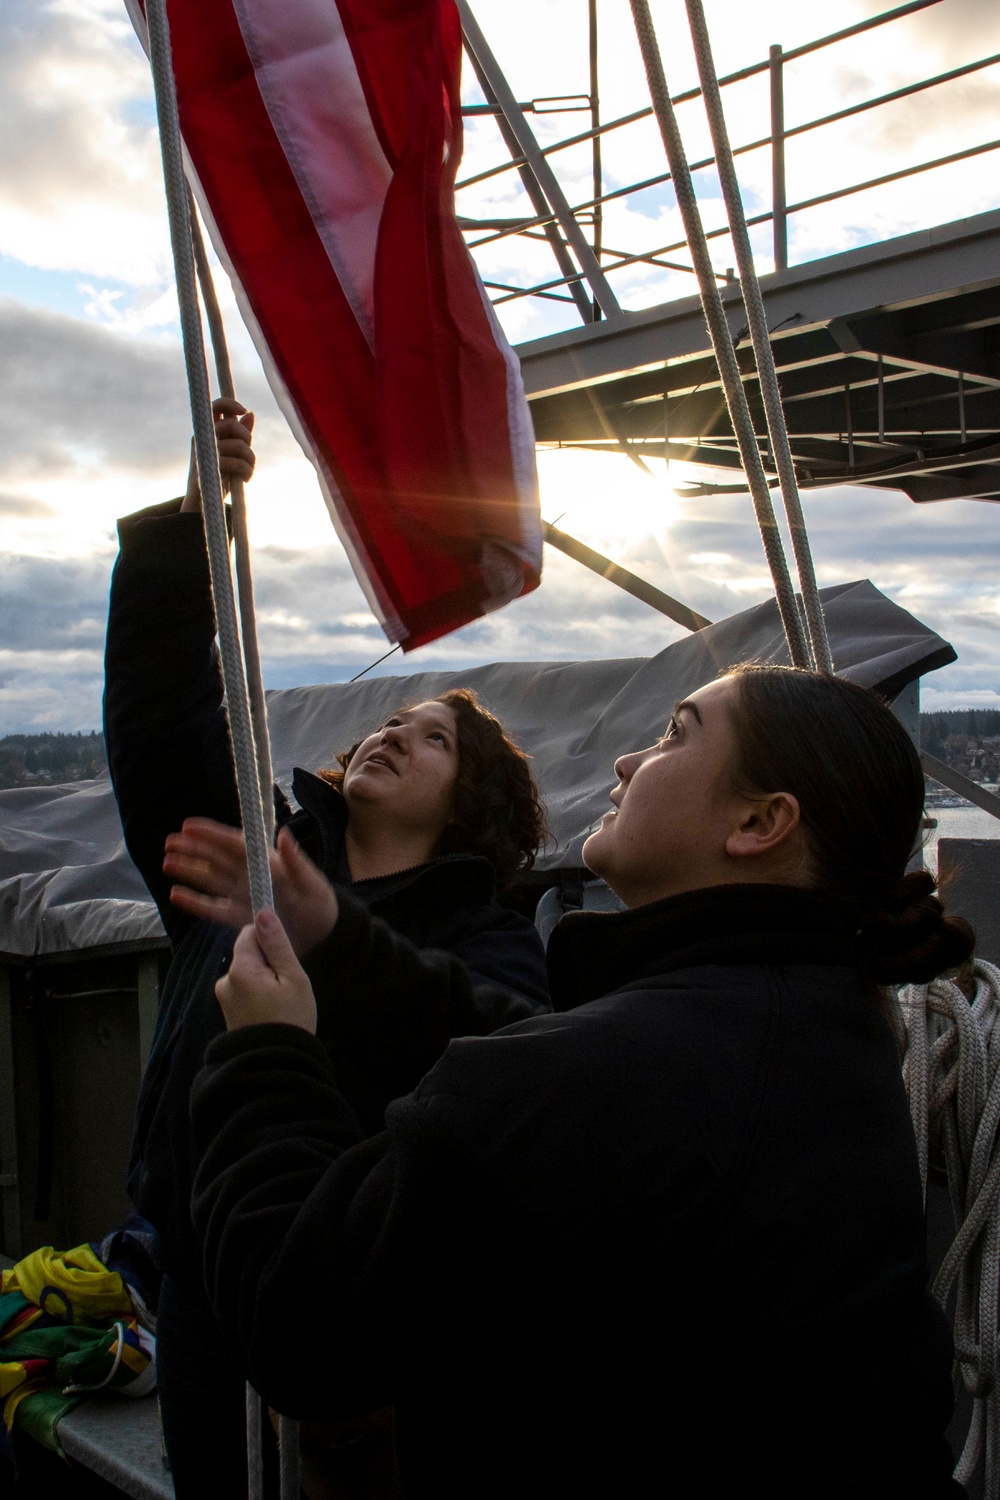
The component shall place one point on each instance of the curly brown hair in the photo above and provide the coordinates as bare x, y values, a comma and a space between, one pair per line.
496, 810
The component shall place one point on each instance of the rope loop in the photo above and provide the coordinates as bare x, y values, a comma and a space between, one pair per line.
951, 1069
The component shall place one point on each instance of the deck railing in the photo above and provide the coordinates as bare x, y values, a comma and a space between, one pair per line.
582, 277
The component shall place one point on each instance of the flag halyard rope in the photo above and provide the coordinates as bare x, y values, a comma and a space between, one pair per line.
722, 342
216, 534
241, 539
754, 304
248, 777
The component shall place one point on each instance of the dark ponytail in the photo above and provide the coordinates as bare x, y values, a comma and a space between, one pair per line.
909, 938
841, 751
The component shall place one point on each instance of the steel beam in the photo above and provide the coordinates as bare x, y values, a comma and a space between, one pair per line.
929, 265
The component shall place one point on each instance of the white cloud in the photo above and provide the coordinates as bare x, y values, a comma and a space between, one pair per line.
81, 191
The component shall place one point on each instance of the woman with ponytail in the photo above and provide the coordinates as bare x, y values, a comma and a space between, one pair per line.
669, 1239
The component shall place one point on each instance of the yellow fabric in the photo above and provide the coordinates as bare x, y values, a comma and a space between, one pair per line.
135, 1359
10, 1377
13, 1402
71, 1285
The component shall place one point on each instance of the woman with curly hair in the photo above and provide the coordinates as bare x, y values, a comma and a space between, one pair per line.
415, 826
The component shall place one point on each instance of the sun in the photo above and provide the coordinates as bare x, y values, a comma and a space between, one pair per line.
604, 499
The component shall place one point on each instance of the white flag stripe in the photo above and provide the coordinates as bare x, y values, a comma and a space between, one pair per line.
521, 429
313, 96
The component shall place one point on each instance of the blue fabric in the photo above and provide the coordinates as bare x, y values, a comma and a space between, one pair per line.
132, 1251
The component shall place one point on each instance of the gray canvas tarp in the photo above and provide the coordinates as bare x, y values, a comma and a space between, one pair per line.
68, 885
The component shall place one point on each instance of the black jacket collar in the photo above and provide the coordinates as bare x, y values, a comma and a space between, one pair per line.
592, 953
458, 878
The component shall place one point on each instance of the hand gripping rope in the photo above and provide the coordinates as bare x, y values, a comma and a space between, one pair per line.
251, 760
952, 1073
722, 342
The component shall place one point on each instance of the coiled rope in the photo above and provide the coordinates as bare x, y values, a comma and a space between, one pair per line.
253, 796
722, 341
952, 1073
760, 338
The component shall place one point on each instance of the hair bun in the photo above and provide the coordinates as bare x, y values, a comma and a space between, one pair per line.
907, 937
907, 893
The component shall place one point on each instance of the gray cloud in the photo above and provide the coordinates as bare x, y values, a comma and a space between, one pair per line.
68, 387
314, 626
958, 31
59, 152
53, 605
23, 507
72, 390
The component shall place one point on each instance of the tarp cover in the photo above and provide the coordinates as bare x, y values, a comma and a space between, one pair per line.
67, 884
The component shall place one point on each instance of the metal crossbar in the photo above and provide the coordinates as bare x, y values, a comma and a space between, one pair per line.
561, 224
765, 218
520, 226
695, 93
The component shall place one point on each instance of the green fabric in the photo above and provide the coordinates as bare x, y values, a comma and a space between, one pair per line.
80, 1357
12, 1304
87, 1365
66, 1343
37, 1416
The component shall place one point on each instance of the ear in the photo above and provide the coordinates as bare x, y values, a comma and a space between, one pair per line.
766, 824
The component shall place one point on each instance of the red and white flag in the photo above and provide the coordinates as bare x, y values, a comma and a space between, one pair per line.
323, 138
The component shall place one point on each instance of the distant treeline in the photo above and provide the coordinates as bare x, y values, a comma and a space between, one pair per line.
972, 724
33, 759
30, 759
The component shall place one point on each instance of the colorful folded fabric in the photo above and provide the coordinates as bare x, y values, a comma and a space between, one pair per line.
67, 1329
70, 1285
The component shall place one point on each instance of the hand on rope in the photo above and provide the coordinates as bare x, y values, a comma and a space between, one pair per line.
233, 436
265, 982
952, 1074
209, 862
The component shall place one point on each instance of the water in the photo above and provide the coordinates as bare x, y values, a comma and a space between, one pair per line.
966, 822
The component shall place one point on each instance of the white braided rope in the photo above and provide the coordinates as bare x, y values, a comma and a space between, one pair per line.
241, 539
722, 342
760, 337
952, 1074
248, 782
216, 534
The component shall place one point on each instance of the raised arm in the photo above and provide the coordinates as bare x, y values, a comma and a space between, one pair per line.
165, 727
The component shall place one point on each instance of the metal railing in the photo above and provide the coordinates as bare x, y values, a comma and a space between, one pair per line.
561, 225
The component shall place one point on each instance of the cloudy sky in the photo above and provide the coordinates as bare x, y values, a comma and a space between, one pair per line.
93, 420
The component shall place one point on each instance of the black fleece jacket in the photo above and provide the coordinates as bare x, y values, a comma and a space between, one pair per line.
480, 966
668, 1239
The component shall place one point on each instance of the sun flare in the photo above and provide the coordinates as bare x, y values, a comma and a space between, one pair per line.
606, 500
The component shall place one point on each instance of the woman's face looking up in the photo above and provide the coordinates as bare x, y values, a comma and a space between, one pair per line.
405, 773
672, 814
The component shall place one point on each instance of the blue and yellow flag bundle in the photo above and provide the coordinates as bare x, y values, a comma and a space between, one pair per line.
68, 1328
